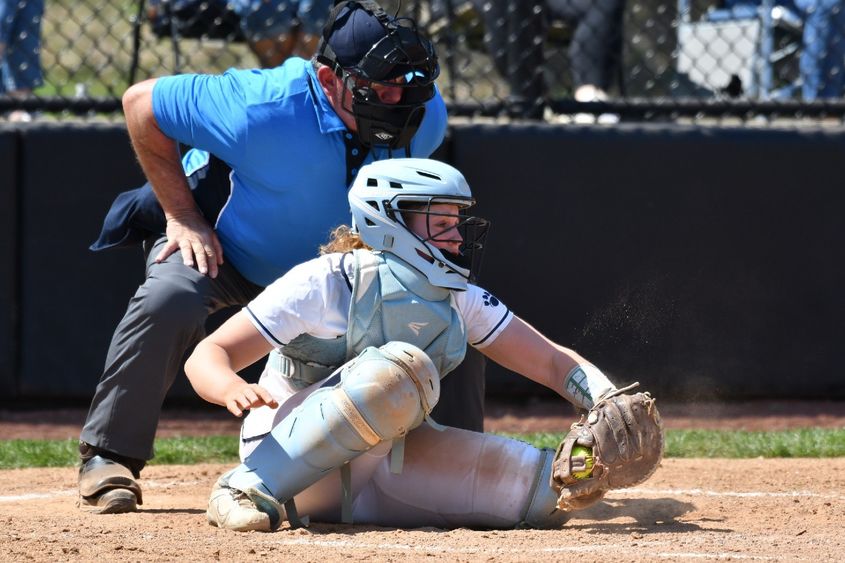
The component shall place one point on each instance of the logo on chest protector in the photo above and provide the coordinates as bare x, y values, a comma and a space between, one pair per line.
416, 327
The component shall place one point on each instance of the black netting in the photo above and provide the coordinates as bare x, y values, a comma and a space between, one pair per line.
561, 60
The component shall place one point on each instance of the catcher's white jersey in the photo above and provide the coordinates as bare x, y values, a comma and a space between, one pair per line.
440, 483
313, 298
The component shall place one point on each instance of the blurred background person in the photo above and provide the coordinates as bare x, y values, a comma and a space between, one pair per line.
20, 50
274, 29
278, 29
515, 36
821, 23
595, 51
822, 60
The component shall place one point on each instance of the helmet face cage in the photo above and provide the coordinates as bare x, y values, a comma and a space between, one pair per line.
389, 197
472, 230
363, 93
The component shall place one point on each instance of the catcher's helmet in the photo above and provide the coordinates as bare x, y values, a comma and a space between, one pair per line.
386, 190
364, 45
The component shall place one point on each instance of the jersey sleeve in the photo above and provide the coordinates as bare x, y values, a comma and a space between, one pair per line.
309, 299
485, 317
432, 130
203, 111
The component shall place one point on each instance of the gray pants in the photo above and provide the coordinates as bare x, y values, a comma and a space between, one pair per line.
164, 319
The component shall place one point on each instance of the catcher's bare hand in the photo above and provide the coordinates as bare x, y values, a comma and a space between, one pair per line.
243, 396
625, 434
196, 240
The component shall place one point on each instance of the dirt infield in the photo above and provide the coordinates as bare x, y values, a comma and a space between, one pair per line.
784, 510
691, 510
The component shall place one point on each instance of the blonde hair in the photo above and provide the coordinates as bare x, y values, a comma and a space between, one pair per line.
342, 239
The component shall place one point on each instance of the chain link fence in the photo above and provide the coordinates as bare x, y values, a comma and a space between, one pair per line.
555, 60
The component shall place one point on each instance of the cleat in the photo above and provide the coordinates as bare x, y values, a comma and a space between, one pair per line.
268, 505
236, 510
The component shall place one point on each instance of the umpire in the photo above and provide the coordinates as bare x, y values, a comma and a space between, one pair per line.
286, 144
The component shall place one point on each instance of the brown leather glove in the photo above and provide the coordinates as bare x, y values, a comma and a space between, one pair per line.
626, 437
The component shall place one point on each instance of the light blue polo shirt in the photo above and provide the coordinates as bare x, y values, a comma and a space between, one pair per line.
284, 142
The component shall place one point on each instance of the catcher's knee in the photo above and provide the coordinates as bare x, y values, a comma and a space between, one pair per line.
542, 510
392, 388
382, 395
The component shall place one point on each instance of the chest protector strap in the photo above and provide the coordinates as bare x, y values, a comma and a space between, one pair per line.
392, 300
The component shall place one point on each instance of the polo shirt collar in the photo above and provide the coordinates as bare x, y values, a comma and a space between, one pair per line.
328, 120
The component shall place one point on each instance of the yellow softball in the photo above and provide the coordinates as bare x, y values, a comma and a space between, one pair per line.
578, 451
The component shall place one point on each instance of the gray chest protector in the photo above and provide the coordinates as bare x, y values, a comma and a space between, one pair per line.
391, 301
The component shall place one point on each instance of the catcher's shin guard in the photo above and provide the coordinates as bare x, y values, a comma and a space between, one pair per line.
383, 394
542, 510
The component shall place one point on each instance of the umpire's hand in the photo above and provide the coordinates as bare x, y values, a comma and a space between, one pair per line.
194, 238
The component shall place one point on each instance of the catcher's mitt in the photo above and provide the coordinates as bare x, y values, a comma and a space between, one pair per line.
626, 437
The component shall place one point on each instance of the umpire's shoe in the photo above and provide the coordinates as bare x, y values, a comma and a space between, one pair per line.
107, 481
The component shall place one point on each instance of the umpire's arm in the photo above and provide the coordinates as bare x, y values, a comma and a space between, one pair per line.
187, 229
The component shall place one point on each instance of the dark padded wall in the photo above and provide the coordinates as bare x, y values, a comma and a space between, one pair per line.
699, 262
8, 258
71, 298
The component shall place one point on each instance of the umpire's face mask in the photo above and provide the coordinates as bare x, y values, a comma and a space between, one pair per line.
404, 60
382, 120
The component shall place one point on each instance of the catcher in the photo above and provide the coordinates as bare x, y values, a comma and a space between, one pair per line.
359, 338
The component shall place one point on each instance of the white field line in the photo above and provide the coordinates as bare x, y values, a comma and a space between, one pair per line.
642, 491
731, 555
592, 548
72, 492
634, 492
434, 548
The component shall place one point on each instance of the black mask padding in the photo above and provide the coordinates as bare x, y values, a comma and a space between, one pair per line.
389, 125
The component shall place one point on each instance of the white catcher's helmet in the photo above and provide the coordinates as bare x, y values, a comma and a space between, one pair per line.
385, 189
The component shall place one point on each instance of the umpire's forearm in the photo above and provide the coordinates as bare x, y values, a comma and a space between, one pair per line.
157, 153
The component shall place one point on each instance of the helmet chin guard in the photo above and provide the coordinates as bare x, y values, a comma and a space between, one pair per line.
365, 46
383, 195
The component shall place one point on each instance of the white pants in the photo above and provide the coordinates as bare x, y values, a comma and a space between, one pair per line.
450, 478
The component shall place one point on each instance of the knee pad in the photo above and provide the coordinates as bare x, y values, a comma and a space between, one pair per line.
392, 388
542, 510
383, 394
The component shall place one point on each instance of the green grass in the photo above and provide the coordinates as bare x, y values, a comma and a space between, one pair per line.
806, 442
15, 454
811, 442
